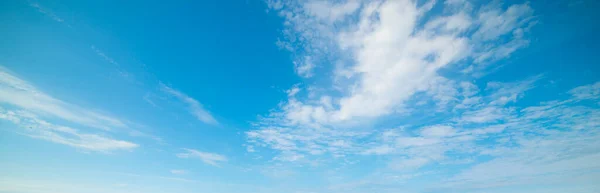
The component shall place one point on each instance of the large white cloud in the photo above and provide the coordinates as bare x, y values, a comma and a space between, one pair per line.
382, 54
406, 62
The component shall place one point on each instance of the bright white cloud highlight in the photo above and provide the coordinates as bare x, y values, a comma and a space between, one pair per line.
386, 51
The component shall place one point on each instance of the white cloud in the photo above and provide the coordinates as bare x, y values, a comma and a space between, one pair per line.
541, 145
443, 92
304, 67
36, 113
136, 133
104, 56
392, 62
35, 127
392, 58
208, 158
410, 163
551, 157
329, 11
148, 98
379, 150
46, 12
485, 115
121, 72
17, 92
558, 137
586, 92
195, 107
382, 54
438, 131
495, 23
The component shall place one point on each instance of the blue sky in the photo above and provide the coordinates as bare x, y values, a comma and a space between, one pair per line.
299, 96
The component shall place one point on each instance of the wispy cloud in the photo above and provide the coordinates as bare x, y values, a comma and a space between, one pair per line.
115, 64
35, 127
17, 92
194, 107
208, 158
586, 92
136, 133
46, 12
179, 172
32, 110
148, 98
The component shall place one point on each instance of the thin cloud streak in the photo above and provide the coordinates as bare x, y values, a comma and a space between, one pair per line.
17, 92
46, 12
206, 157
195, 108
34, 111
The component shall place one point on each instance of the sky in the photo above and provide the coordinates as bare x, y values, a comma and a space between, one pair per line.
307, 96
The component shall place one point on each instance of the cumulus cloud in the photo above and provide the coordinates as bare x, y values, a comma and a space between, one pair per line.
392, 62
385, 55
382, 54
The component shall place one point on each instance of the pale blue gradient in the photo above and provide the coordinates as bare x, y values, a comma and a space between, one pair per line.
199, 96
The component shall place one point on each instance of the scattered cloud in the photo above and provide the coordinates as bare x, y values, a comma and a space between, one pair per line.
485, 115
195, 107
586, 92
399, 86
386, 61
383, 54
208, 158
382, 63
530, 145
438, 131
304, 67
